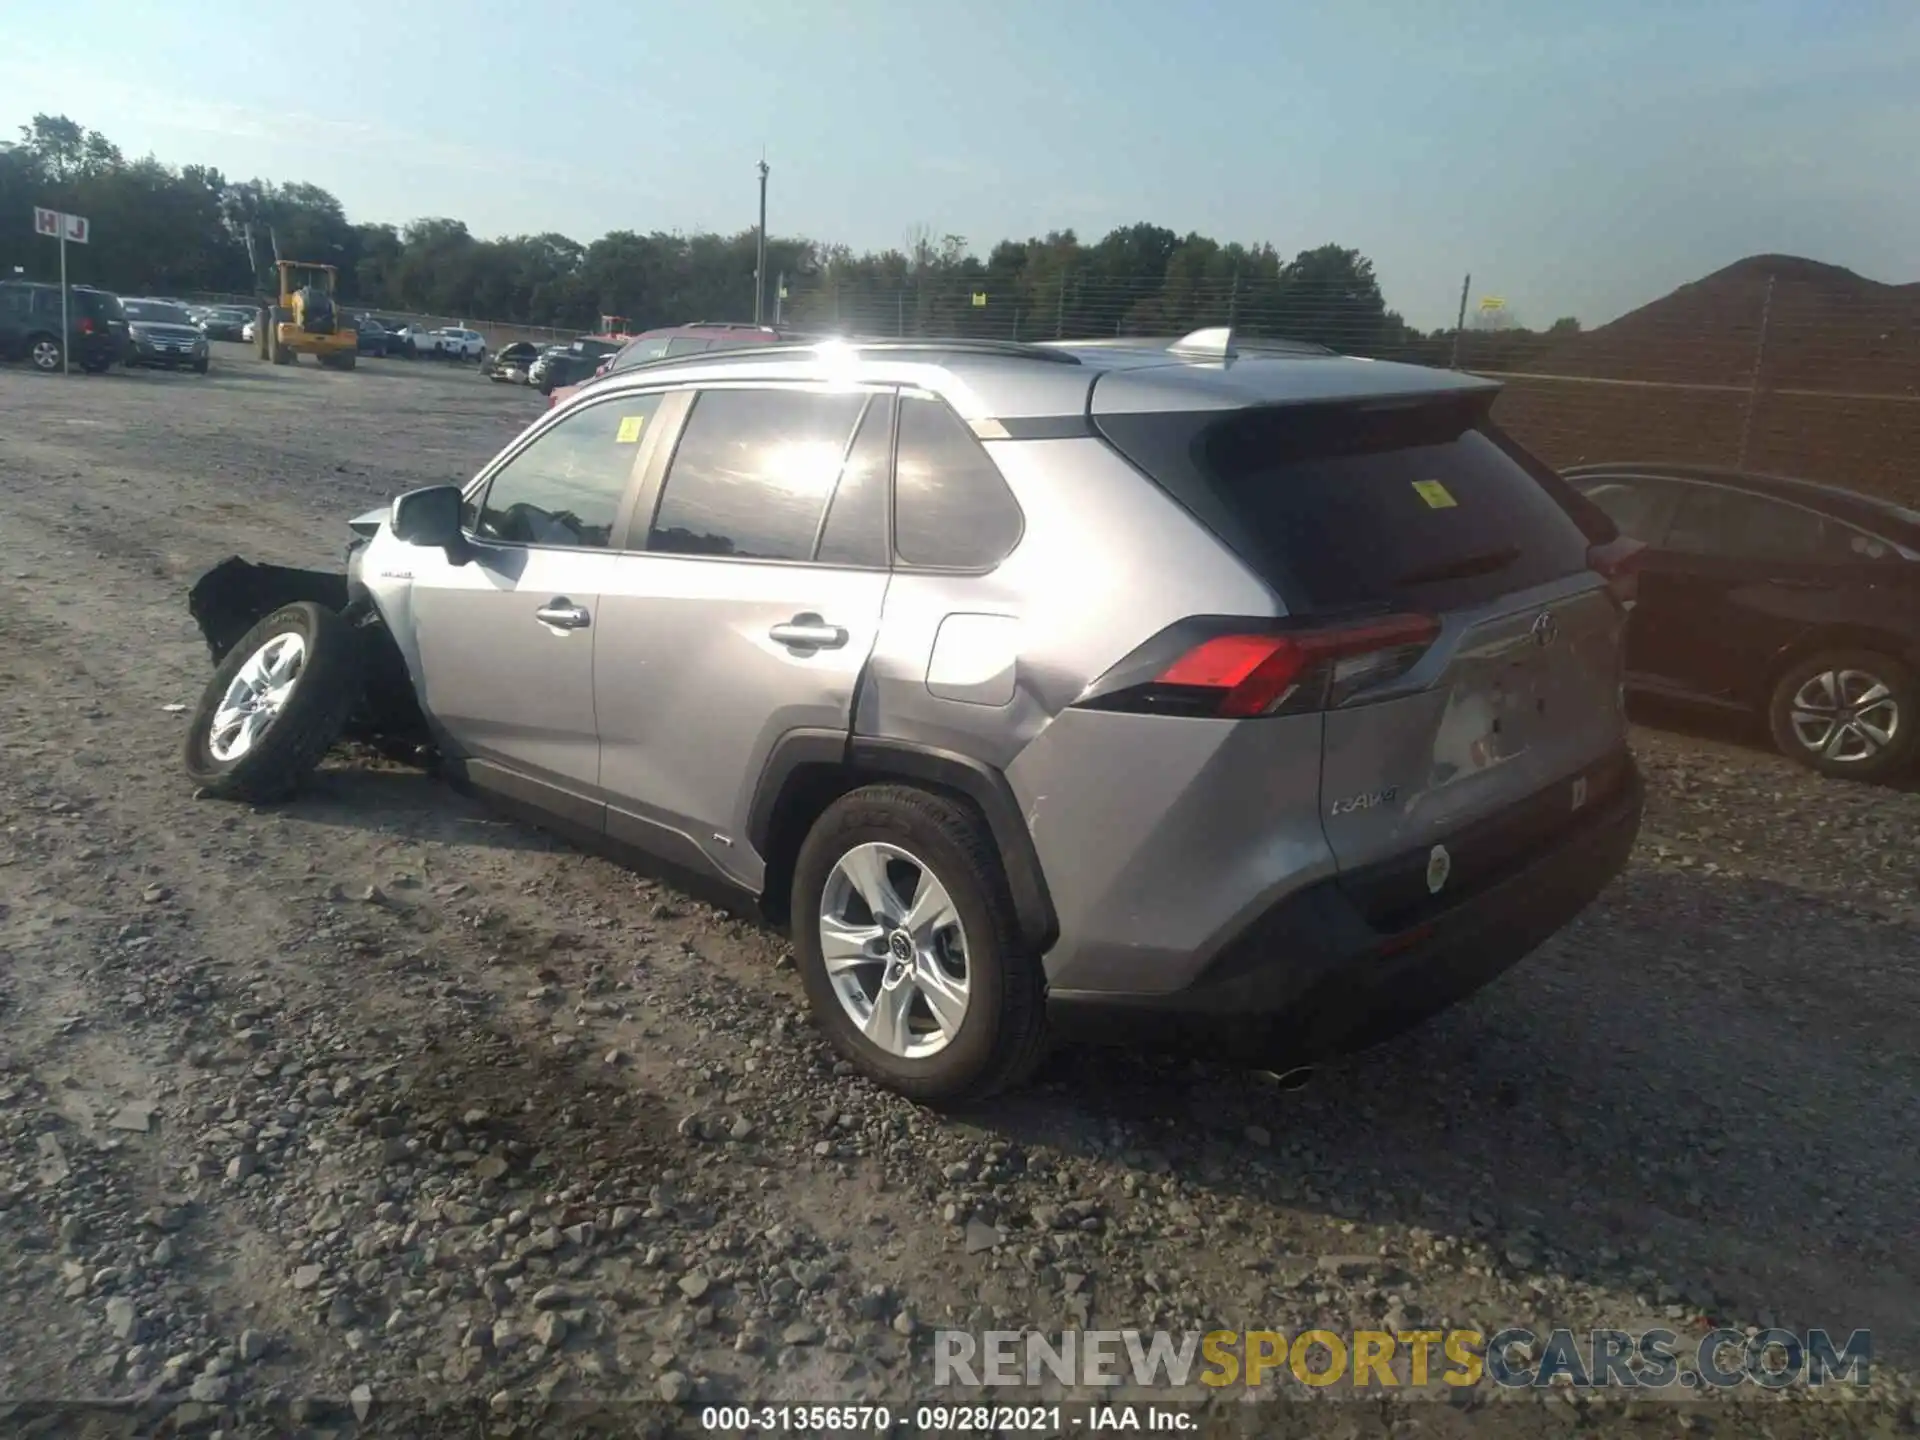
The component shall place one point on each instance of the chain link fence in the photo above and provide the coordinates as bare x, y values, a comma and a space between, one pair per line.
1784, 366
1793, 368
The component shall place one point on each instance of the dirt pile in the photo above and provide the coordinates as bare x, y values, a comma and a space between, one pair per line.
1825, 328
1837, 397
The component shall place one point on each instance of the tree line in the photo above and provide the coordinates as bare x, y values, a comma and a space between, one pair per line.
162, 229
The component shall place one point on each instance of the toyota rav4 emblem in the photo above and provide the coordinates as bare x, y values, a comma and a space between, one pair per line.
1545, 628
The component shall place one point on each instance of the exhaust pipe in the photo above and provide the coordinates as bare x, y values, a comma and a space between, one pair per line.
1289, 1080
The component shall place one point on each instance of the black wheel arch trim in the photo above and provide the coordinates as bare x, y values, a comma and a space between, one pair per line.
866, 757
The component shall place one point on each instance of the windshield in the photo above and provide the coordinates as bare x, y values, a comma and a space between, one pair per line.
155, 312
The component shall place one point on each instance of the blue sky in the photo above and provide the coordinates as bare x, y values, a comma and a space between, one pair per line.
1577, 159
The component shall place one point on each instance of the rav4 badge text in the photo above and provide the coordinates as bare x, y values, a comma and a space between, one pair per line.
1367, 800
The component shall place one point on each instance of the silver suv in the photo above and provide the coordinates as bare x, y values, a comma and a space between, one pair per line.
1036, 689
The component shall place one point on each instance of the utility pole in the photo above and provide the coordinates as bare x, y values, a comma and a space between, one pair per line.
1460, 324
760, 258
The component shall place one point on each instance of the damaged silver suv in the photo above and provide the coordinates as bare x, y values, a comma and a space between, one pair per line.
1036, 689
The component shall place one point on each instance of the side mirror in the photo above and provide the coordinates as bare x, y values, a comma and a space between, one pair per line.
431, 518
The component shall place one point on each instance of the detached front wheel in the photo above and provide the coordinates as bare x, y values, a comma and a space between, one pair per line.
275, 705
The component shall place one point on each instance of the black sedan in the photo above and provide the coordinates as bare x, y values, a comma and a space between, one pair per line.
1779, 597
379, 337
225, 322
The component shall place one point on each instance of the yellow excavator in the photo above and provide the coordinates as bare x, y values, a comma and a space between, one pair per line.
306, 320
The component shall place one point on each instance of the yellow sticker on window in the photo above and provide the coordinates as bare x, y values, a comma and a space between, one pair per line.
630, 427
1437, 496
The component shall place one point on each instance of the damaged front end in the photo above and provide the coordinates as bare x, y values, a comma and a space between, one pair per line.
235, 595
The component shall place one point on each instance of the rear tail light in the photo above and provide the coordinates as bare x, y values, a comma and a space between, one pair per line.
1207, 669
86, 325
1618, 562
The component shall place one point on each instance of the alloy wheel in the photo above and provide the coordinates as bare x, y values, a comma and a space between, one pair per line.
256, 697
895, 950
1845, 717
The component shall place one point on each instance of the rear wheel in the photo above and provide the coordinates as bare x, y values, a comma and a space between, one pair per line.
1848, 713
905, 935
275, 705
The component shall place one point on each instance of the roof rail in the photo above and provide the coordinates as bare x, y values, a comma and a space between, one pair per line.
1019, 349
1202, 344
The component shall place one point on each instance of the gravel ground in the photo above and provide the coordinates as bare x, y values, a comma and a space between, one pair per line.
374, 1102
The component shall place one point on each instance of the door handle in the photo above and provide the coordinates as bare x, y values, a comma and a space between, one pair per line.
563, 614
1782, 583
808, 632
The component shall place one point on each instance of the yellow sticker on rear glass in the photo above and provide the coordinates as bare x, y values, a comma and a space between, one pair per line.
630, 427
1437, 496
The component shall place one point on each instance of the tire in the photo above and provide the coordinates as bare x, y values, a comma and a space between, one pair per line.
1797, 710
315, 705
43, 353
1001, 1035
202, 366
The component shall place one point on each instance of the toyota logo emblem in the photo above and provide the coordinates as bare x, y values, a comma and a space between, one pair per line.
1545, 628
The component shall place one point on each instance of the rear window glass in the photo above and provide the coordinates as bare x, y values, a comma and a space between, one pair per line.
99, 304
1341, 507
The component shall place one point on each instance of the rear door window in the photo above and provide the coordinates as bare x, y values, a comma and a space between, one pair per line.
855, 529
752, 474
1351, 507
1730, 525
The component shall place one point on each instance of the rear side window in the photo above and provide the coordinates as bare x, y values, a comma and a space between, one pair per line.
951, 509
1344, 507
1638, 507
753, 472
99, 305
687, 345
639, 352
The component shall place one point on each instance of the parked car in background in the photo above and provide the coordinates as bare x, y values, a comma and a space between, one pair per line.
375, 336
673, 340
510, 363
96, 338
164, 335
457, 343
537, 371
1779, 597
577, 361
223, 322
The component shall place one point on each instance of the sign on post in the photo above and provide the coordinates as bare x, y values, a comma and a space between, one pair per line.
65, 228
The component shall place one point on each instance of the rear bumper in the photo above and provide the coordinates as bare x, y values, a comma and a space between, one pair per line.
1314, 977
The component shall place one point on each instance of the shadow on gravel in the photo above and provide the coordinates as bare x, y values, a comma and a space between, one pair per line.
349, 797
1692, 1082
1746, 731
